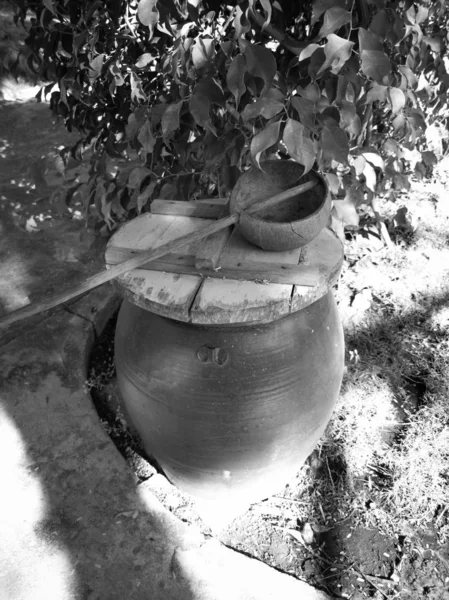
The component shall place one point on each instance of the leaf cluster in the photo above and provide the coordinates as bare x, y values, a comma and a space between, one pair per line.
175, 98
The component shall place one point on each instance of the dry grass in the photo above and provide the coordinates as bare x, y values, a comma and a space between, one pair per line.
385, 457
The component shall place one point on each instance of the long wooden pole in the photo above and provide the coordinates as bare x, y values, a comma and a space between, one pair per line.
147, 256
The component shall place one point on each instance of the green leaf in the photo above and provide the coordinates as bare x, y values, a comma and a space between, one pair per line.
146, 138
145, 195
95, 67
209, 88
370, 176
49, 4
354, 128
421, 14
347, 113
321, 6
136, 177
203, 52
401, 182
170, 119
116, 72
376, 65
308, 51
337, 51
268, 106
359, 164
234, 144
346, 209
374, 159
369, 41
241, 23
429, 158
377, 93
397, 100
335, 144
306, 110
398, 122
264, 140
410, 77
266, 4
334, 18
148, 14
135, 120
436, 45
299, 145
137, 92
380, 24
227, 48
235, 77
144, 60
390, 146
199, 107
311, 92
333, 182
261, 63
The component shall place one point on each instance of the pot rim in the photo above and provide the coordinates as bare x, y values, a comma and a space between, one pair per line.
321, 208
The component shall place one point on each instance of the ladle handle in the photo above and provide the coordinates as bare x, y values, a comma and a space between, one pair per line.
145, 257
278, 198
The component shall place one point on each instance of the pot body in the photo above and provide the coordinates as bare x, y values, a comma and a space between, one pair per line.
230, 411
291, 224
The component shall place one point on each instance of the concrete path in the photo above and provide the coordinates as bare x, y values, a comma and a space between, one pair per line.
74, 524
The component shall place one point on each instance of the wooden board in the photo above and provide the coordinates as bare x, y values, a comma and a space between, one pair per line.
229, 301
245, 270
174, 287
167, 294
325, 253
245, 301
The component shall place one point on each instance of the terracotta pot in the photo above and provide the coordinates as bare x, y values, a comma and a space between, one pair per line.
230, 412
291, 224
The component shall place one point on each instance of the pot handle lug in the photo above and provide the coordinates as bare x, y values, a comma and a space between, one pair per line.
216, 356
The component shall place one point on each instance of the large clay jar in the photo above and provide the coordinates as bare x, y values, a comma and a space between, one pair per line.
230, 412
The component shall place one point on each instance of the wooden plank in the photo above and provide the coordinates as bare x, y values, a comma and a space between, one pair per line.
268, 272
145, 232
218, 201
210, 250
243, 270
205, 210
324, 253
166, 294
231, 301
239, 249
151, 231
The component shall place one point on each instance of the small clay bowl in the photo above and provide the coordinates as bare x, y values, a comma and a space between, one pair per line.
291, 224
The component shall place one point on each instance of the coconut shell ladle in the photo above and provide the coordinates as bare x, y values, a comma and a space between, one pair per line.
149, 255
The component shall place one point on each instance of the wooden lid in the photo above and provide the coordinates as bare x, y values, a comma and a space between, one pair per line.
223, 279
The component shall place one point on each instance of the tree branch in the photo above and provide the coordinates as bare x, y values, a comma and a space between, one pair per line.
363, 13
365, 125
288, 42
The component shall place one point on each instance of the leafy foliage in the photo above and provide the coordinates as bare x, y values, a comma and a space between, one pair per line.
175, 98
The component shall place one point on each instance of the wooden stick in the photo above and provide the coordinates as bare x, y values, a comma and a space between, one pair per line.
144, 257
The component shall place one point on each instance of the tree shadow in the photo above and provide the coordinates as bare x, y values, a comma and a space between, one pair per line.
73, 523
383, 353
